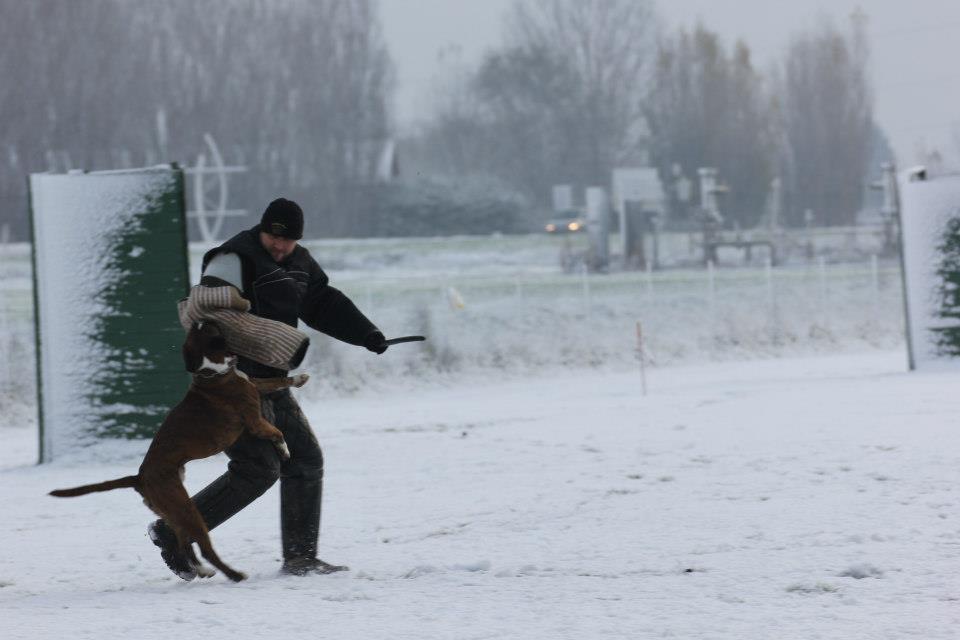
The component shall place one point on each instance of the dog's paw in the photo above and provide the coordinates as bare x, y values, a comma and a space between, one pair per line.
300, 379
204, 572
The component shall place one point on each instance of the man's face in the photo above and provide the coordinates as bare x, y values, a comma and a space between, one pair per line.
278, 247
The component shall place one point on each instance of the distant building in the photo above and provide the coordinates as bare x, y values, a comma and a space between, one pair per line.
639, 200
640, 186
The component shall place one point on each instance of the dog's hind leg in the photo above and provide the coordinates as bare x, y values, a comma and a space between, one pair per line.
206, 549
201, 570
173, 502
193, 529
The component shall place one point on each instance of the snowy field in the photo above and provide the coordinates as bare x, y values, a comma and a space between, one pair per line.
507, 479
794, 498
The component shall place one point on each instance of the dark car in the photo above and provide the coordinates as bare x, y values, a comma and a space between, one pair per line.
564, 223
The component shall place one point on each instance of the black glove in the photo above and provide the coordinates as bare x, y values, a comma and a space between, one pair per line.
375, 342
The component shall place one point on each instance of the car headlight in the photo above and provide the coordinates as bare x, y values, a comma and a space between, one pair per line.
573, 226
551, 228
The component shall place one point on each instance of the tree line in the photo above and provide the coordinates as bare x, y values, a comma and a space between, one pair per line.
300, 91
582, 86
297, 90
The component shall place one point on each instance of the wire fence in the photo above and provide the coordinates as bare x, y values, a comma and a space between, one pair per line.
531, 318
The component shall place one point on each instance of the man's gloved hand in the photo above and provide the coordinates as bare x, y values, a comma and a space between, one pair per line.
375, 342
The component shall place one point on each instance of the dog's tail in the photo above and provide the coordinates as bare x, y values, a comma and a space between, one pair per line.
120, 483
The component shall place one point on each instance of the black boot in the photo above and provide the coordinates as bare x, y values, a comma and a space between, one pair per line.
300, 527
177, 561
308, 566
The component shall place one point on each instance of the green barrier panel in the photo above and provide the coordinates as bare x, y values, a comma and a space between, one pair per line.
110, 263
930, 231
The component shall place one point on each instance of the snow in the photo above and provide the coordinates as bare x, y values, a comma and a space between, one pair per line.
791, 498
508, 479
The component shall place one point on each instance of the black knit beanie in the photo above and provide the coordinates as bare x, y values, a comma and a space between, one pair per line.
283, 218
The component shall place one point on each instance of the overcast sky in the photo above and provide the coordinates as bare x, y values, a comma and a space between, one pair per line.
915, 47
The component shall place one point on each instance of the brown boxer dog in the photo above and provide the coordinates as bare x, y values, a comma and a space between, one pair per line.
219, 406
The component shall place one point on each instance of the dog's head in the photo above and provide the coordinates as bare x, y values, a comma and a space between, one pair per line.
206, 348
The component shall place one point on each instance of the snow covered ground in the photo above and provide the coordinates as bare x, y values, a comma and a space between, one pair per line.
795, 498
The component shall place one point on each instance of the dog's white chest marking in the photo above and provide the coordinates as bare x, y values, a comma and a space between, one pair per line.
222, 367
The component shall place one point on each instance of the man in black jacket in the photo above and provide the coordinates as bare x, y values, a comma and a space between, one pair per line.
283, 282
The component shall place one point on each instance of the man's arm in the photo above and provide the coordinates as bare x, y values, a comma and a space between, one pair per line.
330, 311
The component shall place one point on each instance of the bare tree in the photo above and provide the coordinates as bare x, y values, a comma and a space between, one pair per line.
296, 89
561, 101
456, 140
529, 113
708, 108
826, 105
602, 49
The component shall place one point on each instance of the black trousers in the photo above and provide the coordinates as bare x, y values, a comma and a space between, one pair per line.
255, 466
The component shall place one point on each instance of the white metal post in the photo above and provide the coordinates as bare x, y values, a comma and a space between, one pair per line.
711, 299
5, 335
585, 281
771, 297
649, 279
641, 354
822, 288
768, 272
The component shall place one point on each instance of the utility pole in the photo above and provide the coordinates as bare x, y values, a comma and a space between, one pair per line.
891, 207
710, 210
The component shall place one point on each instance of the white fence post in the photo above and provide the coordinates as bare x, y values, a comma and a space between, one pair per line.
768, 272
711, 299
642, 356
771, 297
585, 279
822, 288
6, 339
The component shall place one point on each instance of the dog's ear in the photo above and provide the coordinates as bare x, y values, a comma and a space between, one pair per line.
192, 353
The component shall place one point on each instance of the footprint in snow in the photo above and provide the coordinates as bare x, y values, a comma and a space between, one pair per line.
811, 589
427, 569
861, 571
